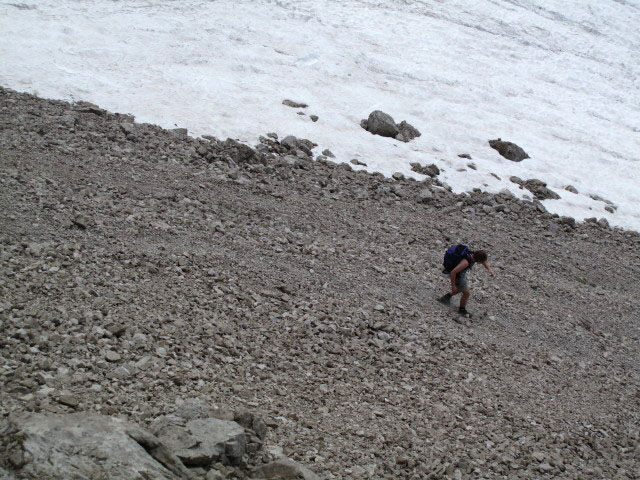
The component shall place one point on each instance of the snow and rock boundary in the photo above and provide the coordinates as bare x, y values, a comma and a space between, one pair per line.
139, 272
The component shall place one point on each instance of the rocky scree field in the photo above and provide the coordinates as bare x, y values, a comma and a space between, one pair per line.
141, 268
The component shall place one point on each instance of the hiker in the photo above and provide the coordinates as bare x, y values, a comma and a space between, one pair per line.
458, 260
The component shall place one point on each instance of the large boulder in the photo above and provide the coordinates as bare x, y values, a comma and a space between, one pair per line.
508, 150
380, 123
84, 445
202, 441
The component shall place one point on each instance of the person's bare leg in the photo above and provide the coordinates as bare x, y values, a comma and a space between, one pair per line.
465, 298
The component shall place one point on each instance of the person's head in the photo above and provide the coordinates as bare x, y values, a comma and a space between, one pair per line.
480, 256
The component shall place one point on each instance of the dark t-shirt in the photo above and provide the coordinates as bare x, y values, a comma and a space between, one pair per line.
462, 273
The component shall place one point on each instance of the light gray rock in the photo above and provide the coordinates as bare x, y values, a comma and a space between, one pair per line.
193, 408
5, 475
290, 142
82, 445
425, 196
203, 441
284, 469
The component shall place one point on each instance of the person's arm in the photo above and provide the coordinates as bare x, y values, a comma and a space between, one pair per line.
452, 276
485, 264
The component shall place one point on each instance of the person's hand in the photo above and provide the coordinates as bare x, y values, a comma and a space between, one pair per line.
454, 290
491, 272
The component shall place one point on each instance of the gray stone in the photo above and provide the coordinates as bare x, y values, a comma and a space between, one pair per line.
128, 128
82, 445
193, 408
380, 123
407, 132
284, 469
429, 170
121, 372
425, 196
112, 356
4, 475
290, 142
252, 421
508, 150
180, 132
328, 153
203, 441
240, 153
314, 118
292, 104
539, 189
214, 475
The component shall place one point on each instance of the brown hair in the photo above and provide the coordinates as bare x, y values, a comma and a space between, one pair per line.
480, 256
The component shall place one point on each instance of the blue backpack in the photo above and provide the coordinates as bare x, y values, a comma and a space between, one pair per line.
454, 255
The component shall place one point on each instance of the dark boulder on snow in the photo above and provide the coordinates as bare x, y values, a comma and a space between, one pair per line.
508, 150
380, 123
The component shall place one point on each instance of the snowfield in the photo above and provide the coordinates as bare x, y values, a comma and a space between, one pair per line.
558, 78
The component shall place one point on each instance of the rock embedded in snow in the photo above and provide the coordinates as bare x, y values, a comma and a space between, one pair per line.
292, 104
407, 132
380, 123
327, 153
508, 150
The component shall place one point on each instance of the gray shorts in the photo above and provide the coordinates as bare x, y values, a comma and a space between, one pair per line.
461, 281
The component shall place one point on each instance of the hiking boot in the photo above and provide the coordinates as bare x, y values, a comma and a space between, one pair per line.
445, 299
463, 313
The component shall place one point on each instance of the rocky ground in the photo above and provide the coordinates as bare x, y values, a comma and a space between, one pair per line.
141, 267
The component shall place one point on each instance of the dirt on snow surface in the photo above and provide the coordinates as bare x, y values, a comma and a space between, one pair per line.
141, 267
